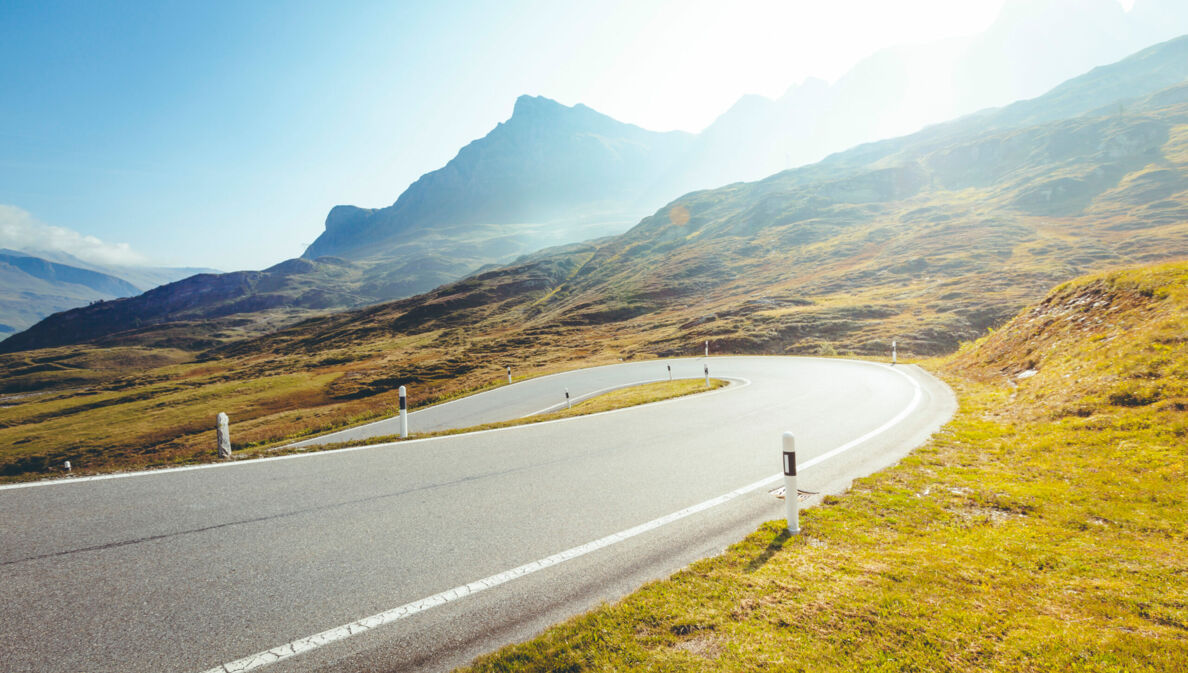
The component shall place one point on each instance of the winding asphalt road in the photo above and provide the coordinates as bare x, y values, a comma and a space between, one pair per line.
421, 555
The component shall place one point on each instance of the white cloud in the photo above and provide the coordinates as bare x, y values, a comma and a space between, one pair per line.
21, 231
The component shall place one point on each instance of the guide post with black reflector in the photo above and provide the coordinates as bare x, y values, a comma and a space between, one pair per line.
791, 492
509, 374
669, 372
568, 405
707, 376
894, 354
403, 413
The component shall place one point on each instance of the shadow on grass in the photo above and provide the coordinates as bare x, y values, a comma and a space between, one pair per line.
774, 546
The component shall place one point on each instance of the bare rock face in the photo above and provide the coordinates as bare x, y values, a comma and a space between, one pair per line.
224, 435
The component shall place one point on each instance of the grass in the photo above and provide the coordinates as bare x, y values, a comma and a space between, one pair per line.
775, 267
1043, 529
616, 399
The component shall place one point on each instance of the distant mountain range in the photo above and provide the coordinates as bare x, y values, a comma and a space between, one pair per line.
554, 174
551, 171
550, 175
1032, 46
928, 239
34, 285
974, 217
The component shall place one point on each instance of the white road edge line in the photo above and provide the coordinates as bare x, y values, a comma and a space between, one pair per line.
498, 388
330, 452
302, 645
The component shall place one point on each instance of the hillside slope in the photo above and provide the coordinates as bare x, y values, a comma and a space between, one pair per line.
553, 174
928, 245
1008, 201
1105, 344
1031, 47
548, 176
206, 309
32, 287
1042, 529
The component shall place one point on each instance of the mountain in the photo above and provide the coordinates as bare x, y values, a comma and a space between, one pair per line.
206, 309
548, 163
33, 287
559, 165
1032, 46
554, 174
549, 175
143, 277
40, 283
928, 240
61, 273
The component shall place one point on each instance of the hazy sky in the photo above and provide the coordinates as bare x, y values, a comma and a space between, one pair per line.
220, 133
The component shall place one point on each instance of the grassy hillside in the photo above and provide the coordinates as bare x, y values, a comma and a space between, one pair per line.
930, 241
1043, 529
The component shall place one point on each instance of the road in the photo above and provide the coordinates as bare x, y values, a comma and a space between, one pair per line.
423, 554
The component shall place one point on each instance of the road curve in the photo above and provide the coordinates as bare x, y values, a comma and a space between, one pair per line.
233, 567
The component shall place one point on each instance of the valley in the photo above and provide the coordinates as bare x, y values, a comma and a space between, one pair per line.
928, 240
972, 321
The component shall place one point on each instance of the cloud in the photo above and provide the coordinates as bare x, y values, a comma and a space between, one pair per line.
21, 231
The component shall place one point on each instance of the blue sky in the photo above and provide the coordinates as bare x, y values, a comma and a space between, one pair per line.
219, 134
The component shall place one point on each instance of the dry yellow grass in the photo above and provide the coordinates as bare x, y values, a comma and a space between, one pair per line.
1043, 529
622, 398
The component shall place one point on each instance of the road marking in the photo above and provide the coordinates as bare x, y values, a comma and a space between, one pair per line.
330, 452
296, 647
302, 645
498, 388
916, 399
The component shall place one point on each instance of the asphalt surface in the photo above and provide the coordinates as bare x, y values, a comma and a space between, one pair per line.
527, 398
188, 570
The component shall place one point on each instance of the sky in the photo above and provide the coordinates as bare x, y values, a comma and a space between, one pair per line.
219, 134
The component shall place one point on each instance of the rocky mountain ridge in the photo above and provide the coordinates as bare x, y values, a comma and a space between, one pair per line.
927, 240
581, 167
547, 163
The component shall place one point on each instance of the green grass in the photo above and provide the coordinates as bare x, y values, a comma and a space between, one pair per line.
1043, 529
777, 267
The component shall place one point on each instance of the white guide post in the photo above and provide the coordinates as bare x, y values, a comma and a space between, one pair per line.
669, 372
223, 434
707, 376
403, 413
66, 465
568, 404
707, 348
509, 374
791, 492
894, 355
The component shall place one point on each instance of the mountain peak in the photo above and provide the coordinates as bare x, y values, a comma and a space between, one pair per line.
536, 105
